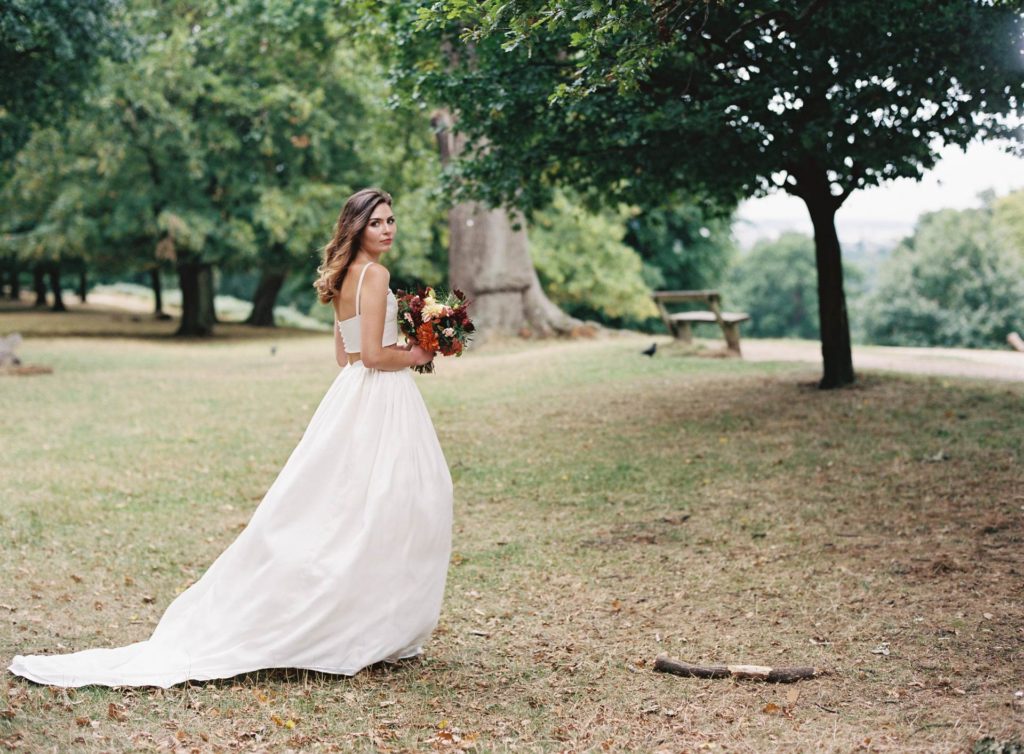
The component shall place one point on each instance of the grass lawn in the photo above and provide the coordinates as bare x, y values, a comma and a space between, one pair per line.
609, 507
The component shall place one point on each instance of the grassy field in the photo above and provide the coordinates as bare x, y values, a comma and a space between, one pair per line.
609, 507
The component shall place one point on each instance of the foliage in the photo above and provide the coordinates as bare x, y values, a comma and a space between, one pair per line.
682, 248
229, 143
640, 102
633, 101
774, 282
584, 265
49, 50
954, 282
1008, 218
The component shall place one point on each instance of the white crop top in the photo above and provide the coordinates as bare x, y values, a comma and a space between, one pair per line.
349, 328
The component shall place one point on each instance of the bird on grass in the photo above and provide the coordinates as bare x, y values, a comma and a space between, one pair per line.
273, 350
650, 351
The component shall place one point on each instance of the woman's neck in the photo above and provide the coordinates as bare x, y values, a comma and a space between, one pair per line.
365, 257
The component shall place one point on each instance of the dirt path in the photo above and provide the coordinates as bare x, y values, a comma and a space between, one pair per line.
957, 362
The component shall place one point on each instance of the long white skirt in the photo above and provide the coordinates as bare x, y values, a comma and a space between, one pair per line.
342, 565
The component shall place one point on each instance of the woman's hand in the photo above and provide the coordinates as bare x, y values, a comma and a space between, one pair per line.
420, 356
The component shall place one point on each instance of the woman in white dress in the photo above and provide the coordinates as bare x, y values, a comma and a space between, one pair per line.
343, 563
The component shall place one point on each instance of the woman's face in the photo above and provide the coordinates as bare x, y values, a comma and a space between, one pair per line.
379, 233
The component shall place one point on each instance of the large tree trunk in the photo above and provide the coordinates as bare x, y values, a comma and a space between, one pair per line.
835, 327
196, 299
39, 284
489, 260
262, 314
12, 271
58, 299
210, 292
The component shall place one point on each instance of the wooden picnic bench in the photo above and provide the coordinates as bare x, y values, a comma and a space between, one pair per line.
680, 323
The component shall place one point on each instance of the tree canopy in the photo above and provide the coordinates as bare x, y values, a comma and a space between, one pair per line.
224, 143
639, 101
48, 53
957, 281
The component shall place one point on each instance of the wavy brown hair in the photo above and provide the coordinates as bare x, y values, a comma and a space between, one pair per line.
343, 247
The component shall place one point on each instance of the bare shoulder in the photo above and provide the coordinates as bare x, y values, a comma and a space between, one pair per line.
378, 275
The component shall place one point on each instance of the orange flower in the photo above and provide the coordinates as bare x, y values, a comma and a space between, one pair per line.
426, 337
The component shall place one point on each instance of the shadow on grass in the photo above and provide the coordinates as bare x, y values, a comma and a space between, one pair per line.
93, 321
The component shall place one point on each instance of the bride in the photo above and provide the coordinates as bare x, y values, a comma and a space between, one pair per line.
344, 561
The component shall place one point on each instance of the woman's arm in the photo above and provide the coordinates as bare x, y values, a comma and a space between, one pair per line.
372, 310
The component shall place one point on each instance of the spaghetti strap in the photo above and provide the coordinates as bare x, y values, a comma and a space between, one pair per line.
359, 286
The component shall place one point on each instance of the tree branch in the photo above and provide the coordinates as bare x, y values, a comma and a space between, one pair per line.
789, 22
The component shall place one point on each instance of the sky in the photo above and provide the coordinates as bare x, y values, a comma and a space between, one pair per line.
887, 213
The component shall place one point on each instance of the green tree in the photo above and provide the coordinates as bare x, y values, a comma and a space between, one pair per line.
48, 53
954, 282
682, 247
586, 268
293, 121
1008, 217
774, 283
637, 101
232, 145
50, 220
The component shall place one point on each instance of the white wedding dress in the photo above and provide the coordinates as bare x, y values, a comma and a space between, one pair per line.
342, 565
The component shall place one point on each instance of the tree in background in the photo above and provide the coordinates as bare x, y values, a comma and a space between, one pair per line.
50, 213
1008, 218
635, 101
586, 268
293, 121
955, 282
488, 248
774, 283
682, 248
48, 53
224, 145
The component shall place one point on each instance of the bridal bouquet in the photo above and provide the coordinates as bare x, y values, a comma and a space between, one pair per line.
436, 322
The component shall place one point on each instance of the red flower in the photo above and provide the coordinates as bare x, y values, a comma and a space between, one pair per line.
427, 338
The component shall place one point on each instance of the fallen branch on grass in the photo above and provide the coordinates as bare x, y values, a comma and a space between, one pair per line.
665, 664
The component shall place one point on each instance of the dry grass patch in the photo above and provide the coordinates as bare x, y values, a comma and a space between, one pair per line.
609, 507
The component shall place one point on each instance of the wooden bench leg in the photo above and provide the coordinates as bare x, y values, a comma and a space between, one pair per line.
684, 332
732, 337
